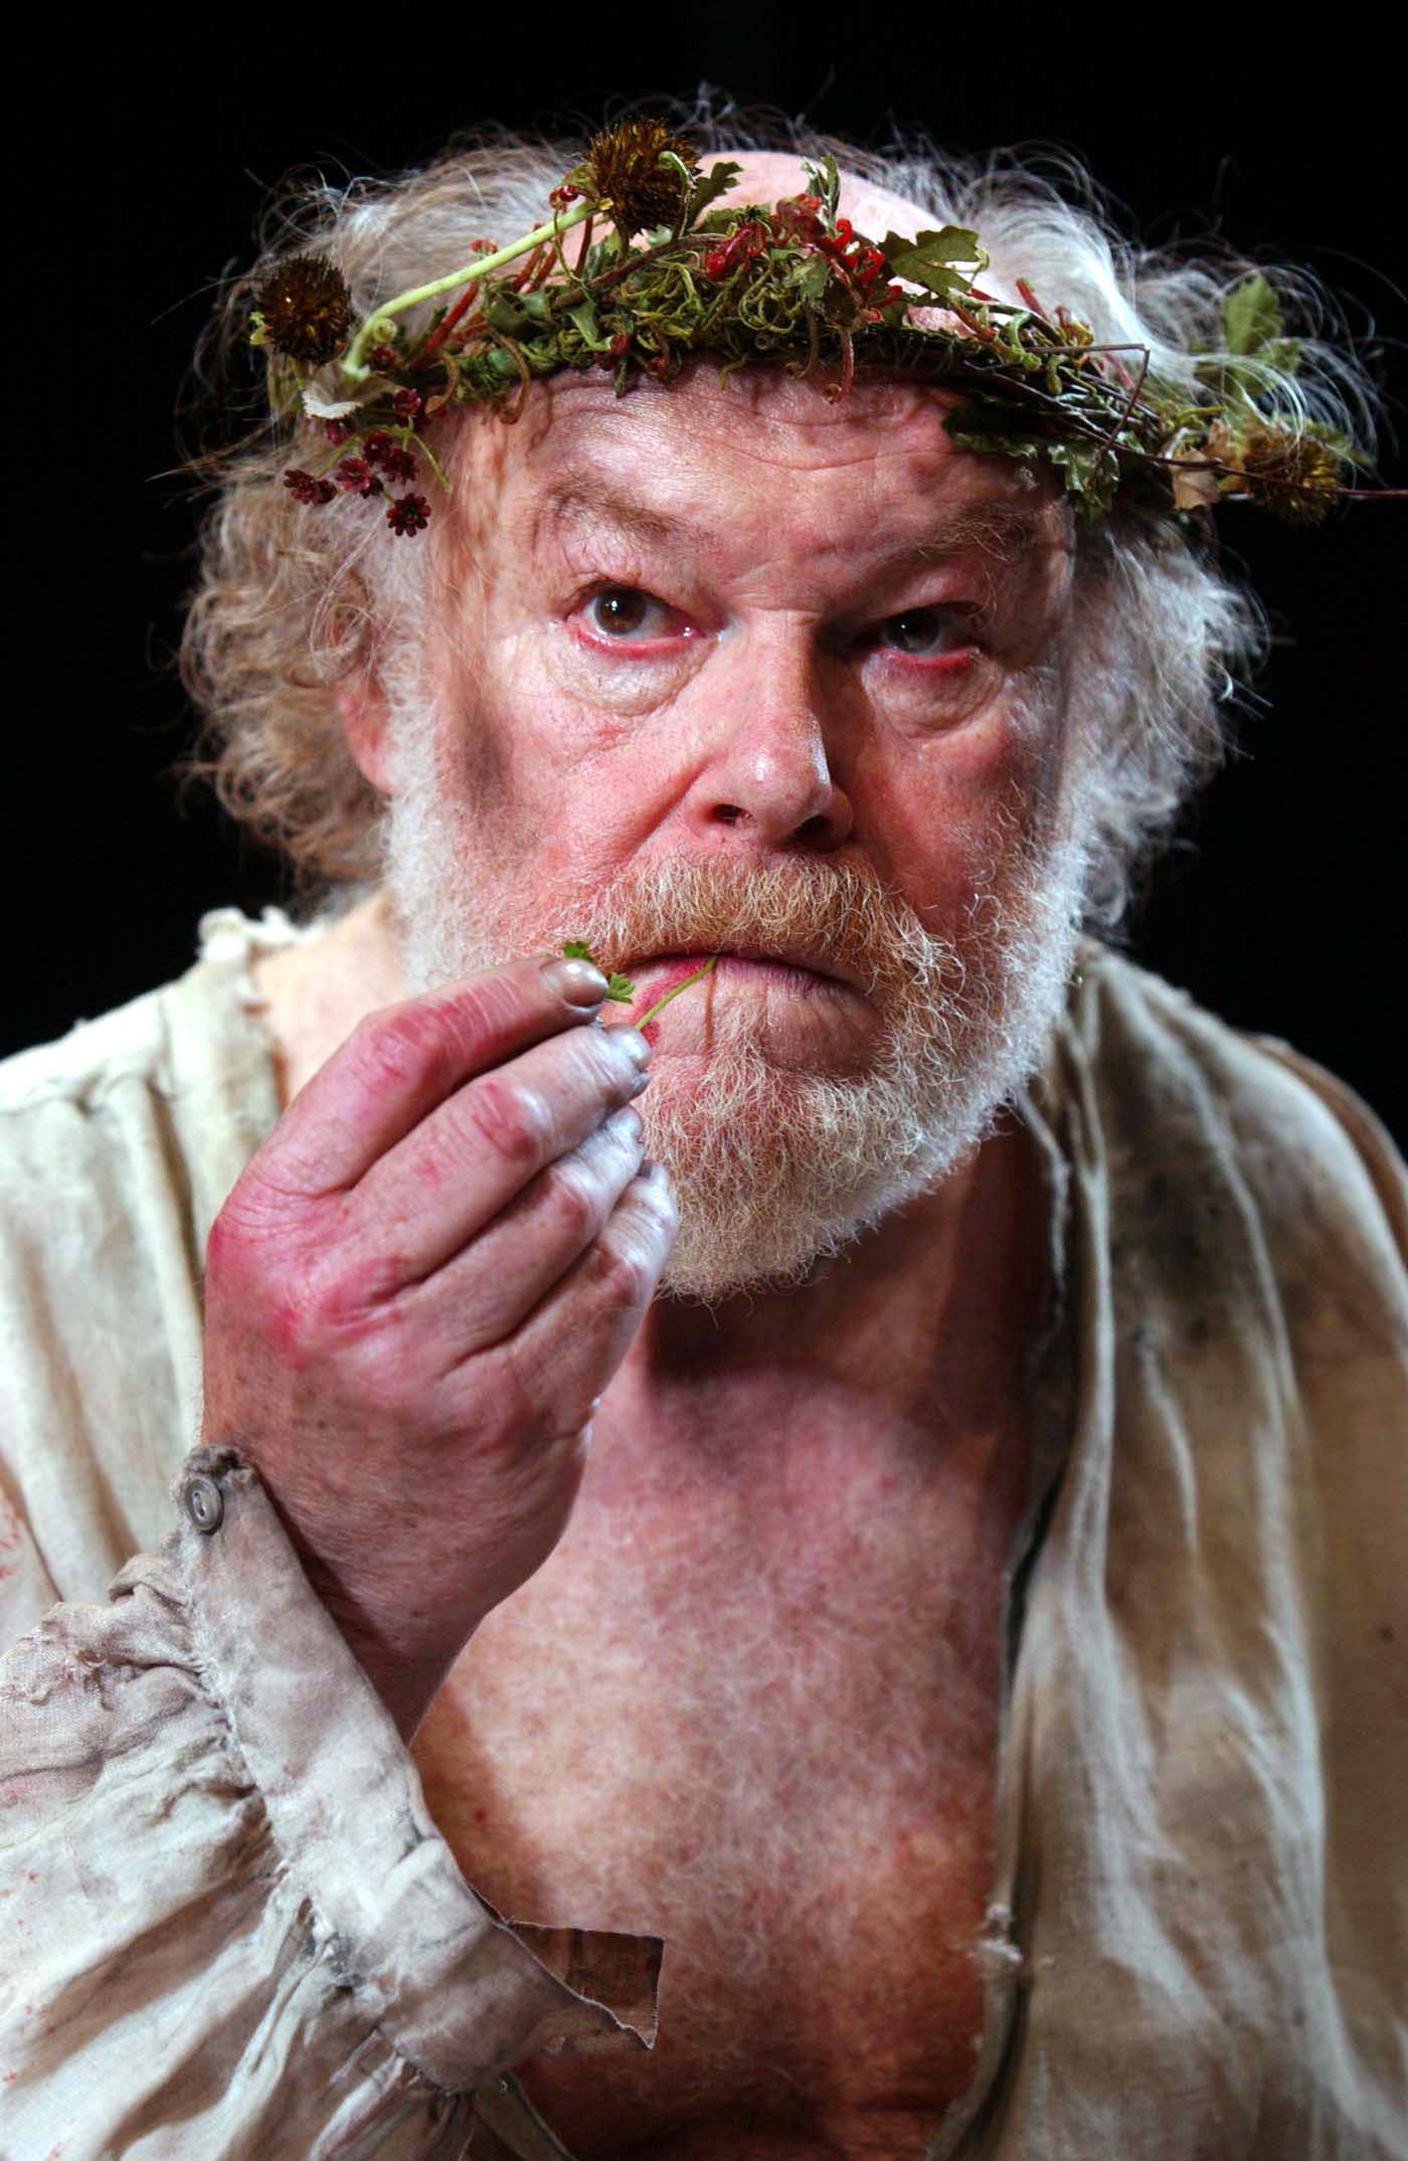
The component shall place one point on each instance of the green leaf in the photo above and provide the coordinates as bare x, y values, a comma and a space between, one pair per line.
811, 277
984, 425
619, 988
1282, 353
1010, 338
600, 256
1251, 316
583, 318
506, 313
1091, 470
929, 259
826, 182
1006, 446
717, 181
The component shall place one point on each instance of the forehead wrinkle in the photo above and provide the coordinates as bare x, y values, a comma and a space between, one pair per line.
583, 497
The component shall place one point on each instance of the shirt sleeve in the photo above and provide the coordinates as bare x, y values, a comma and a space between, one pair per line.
231, 1927
1373, 1143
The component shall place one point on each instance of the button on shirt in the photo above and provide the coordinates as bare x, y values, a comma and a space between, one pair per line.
228, 1924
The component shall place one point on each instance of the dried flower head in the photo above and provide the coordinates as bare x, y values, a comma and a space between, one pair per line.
622, 168
1292, 473
306, 309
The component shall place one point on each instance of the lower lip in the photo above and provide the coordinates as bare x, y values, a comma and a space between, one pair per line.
666, 975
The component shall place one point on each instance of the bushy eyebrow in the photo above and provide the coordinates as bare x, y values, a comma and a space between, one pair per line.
585, 498
1004, 530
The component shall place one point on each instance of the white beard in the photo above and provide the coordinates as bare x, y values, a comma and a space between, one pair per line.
774, 1169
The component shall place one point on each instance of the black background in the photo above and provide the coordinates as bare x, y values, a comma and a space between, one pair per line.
139, 174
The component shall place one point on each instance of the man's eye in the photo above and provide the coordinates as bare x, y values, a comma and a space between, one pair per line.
623, 611
927, 633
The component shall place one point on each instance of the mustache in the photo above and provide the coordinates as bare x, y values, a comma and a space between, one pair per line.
850, 921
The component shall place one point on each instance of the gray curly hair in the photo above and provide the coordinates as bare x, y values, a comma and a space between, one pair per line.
288, 606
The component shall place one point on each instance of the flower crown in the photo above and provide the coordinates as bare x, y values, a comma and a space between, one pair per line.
793, 284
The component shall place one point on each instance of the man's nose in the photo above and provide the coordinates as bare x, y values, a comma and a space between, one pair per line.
770, 745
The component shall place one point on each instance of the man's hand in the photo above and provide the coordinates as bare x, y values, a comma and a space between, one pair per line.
417, 1292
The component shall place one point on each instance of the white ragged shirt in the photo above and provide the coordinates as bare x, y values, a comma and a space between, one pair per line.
229, 1928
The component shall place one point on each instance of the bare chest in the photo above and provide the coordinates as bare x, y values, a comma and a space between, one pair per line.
766, 1732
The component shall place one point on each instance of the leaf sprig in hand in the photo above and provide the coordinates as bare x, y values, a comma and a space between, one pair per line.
620, 991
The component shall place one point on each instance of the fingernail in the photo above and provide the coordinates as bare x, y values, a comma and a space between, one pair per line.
575, 980
633, 1044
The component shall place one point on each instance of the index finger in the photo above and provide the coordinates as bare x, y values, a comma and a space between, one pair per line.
403, 1060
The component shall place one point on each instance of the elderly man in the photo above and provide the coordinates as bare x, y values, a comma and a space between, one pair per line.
869, 1636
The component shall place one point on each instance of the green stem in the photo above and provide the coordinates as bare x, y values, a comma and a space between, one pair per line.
352, 366
660, 1003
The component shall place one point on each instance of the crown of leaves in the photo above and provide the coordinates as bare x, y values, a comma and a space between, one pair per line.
661, 273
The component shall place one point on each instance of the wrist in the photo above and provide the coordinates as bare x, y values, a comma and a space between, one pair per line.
407, 1690
406, 1679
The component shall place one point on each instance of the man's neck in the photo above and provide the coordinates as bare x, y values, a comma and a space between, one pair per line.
930, 1314
318, 990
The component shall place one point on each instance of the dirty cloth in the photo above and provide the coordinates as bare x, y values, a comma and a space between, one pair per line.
229, 1928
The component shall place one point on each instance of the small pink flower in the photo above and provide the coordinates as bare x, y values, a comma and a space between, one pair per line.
380, 449
408, 513
305, 489
356, 477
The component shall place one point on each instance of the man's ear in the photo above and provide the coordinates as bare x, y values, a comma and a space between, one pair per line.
363, 712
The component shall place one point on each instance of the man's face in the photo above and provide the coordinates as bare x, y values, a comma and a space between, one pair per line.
726, 664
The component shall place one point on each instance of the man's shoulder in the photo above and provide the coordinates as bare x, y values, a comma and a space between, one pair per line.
138, 1040
127, 1042
1172, 1076
181, 1073
119, 1142
1155, 1033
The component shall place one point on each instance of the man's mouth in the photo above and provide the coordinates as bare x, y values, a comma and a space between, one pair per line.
785, 966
